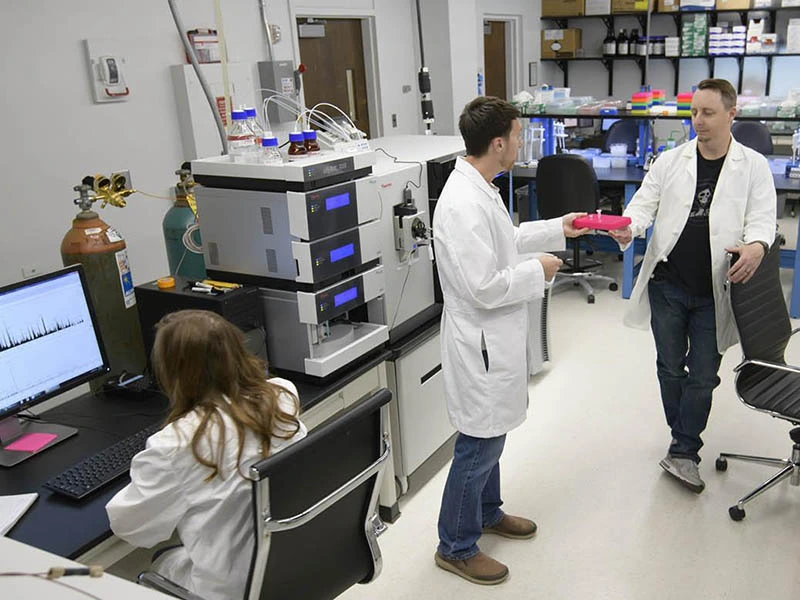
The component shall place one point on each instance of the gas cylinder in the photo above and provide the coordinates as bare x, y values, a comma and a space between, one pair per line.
182, 233
104, 256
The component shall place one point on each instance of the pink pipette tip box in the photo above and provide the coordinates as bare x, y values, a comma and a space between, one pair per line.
604, 222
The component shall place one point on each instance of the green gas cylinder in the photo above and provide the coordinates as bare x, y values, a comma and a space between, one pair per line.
182, 233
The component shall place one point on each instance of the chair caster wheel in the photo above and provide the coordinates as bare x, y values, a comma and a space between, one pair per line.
590, 299
613, 287
721, 464
736, 513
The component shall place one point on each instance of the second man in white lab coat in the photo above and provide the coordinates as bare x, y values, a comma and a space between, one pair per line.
486, 285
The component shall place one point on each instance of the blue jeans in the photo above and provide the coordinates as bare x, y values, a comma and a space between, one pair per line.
687, 362
471, 498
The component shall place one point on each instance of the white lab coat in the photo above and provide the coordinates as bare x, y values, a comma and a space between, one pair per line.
742, 212
486, 287
214, 519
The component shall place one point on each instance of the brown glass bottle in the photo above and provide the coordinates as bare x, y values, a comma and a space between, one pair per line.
297, 145
310, 140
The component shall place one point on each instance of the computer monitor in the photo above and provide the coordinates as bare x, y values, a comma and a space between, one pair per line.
606, 124
49, 343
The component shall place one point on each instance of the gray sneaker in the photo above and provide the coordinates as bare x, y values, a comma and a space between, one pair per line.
684, 470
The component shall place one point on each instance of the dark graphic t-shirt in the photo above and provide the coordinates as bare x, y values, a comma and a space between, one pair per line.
689, 263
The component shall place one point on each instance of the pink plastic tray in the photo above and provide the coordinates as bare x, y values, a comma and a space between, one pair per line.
605, 222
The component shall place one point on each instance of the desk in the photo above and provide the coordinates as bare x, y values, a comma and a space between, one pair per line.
79, 529
631, 177
19, 557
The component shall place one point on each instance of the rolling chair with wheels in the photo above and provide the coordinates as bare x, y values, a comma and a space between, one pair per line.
754, 135
624, 131
567, 183
764, 381
315, 510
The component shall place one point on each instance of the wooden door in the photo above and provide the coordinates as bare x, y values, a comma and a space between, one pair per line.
335, 70
494, 58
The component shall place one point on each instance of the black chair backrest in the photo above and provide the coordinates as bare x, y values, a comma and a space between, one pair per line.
624, 131
330, 553
565, 183
754, 135
760, 310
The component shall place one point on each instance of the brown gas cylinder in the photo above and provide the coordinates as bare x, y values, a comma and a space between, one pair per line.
103, 254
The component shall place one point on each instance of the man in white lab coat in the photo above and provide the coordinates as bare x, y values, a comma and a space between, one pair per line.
486, 285
706, 199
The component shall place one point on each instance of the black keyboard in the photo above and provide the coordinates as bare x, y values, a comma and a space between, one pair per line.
99, 469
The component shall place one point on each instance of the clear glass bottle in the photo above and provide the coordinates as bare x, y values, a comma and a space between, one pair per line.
270, 154
240, 138
310, 141
297, 144
254, 125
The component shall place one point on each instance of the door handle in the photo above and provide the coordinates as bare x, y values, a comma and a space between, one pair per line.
351, 95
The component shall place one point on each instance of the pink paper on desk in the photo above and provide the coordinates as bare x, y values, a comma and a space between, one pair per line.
31, 442
605, 222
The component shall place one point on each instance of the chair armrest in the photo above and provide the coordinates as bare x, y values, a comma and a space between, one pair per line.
153, 580
769, 365
329, 500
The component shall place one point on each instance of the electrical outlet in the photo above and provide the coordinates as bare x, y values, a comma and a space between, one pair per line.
394, 119
121, 180
31, 271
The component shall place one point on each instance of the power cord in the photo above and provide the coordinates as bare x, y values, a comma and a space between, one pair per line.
54, 573
402, 290
417, 185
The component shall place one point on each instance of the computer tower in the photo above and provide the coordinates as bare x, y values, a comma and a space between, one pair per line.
239, 306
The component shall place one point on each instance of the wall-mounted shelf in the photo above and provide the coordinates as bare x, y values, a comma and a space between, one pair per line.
608, 61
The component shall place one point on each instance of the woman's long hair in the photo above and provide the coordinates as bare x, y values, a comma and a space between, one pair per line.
202, 365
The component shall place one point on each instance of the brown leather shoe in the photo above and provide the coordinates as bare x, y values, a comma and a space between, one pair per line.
481, 568
516, 528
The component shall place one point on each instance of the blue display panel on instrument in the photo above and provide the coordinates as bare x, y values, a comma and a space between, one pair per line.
342, 252
337, 201
345, 296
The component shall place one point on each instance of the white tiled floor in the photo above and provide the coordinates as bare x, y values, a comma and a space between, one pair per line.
585, 467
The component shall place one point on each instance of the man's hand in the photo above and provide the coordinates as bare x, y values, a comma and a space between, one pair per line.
622, 236
569, 229
550, 264
750, 257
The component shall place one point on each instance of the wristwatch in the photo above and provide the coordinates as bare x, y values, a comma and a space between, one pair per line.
764, 245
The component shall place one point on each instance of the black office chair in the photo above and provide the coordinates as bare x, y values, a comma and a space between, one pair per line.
315, 510
624, 131
753, 134
764, 381
567, 183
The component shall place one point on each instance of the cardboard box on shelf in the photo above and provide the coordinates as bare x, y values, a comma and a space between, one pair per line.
733, 4
669, 6
562, 8
598, 7
625, 6
698, 4
560, 43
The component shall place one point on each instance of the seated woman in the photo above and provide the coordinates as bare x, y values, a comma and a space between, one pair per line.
190, 478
